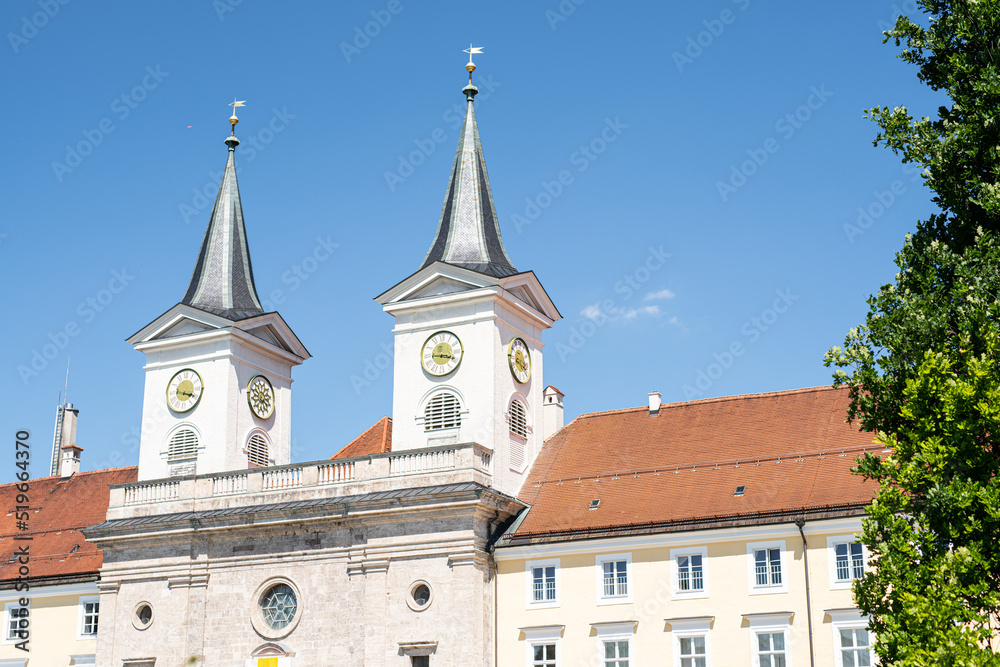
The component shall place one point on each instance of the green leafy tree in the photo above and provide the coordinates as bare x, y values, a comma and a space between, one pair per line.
924, 370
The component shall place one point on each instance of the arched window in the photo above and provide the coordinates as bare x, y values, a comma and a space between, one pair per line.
518, 418
442, 411
183, 446
258, 452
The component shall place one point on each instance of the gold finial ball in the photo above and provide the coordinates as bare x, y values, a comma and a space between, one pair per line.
233, 120
470, 67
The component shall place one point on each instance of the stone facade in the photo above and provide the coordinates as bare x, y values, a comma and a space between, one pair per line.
352, 549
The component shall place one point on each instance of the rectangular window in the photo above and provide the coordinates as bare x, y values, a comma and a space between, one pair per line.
420, 661
767, 566
690, 575
90, 608
543, 655
616, 653
692, 651
850, 560
771, 649
615, 578
613, 585
12, 617
543, 583
855, 649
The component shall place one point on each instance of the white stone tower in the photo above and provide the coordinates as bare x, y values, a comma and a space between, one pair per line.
468, 349
218, 368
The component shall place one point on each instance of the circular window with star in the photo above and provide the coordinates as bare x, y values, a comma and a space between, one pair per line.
277, 608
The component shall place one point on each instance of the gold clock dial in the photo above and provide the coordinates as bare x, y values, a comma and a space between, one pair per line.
184, 390
441, 353
519, 360
260, 396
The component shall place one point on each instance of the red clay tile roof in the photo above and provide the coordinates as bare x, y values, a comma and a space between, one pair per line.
376, 440
685, 464
59, 508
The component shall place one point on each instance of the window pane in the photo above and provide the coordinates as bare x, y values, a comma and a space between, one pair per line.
778, 660
687, 645
699, 645
623, 649
778, 641
539, 651
697, 582
847, 638
765, 661
763, 642
609, 650
775, 555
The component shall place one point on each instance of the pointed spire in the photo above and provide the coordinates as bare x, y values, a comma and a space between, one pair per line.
222, 282
469, 232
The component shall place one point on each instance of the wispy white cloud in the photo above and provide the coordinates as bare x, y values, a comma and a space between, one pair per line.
655, 296
633, 313
593, 312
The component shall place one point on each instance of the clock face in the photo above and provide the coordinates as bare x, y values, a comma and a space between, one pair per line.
442, 353
260, 396
519, 360
184, 390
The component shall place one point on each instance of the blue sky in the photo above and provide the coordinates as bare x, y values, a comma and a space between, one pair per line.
686, 180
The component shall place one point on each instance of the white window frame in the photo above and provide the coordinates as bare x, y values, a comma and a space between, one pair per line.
770, 624
685, 628
603, 599
849, 619
752, 572
615, 632
82, 612
84, 659
530, 602
831, 557
6, 621
675, 572
537, 636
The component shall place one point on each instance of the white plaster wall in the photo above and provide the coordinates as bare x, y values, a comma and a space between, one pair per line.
222, 417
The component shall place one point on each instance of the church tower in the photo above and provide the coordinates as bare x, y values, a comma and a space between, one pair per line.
218, 368
468, 335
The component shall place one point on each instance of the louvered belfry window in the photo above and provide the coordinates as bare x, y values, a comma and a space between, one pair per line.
518, 419
257, 451
442, 411
183, 446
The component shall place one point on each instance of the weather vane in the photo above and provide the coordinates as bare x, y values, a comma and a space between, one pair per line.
239, 103
471, 67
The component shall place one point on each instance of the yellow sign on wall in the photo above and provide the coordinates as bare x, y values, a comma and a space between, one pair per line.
267, 662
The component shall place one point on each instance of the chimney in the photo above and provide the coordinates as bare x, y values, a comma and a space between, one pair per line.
69, 425
70, 460
552, 411
654, 403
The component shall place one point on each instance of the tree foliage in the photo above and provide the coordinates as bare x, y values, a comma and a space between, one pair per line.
924, 369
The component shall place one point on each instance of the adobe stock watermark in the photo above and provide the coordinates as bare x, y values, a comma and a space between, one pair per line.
223, 7
301, 271
786, 126
751, 331
581, 159
596, 316
86, 311
250, 148
122, 107
697, 44
30, 25
562, 12
454, 115
363, 35
882, 200
909, 7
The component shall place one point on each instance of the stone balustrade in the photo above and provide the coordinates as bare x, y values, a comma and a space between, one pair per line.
328, 478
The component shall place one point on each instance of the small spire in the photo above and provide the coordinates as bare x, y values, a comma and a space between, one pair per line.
468, 233
222, 281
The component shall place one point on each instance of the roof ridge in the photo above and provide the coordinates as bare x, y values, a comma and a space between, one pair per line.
713, 399
76, 474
